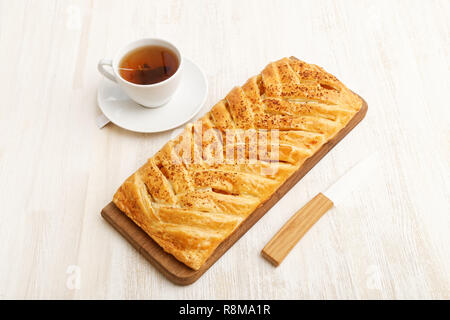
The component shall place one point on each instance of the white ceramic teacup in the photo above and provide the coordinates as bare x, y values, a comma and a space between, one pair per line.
148, 95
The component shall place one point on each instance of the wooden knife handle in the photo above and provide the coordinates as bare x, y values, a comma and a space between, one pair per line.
282, 243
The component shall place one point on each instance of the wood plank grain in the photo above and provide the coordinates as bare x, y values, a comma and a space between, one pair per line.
389, 240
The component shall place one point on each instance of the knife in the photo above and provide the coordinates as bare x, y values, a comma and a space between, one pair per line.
282, 243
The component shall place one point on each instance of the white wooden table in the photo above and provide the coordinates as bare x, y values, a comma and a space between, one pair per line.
57, 169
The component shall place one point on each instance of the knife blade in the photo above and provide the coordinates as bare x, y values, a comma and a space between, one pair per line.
296, 227
352, 179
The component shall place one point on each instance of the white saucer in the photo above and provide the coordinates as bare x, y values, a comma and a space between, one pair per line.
184, 105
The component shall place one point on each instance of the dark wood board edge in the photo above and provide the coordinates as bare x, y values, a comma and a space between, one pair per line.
179, 273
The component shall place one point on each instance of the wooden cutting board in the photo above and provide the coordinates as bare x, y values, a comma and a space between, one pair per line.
179, 273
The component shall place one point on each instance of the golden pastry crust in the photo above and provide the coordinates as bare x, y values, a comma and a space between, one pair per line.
189, 202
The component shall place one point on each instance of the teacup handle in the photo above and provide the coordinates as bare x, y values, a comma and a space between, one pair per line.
101, 68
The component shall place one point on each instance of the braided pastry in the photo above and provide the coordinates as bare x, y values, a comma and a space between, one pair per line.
200, 186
